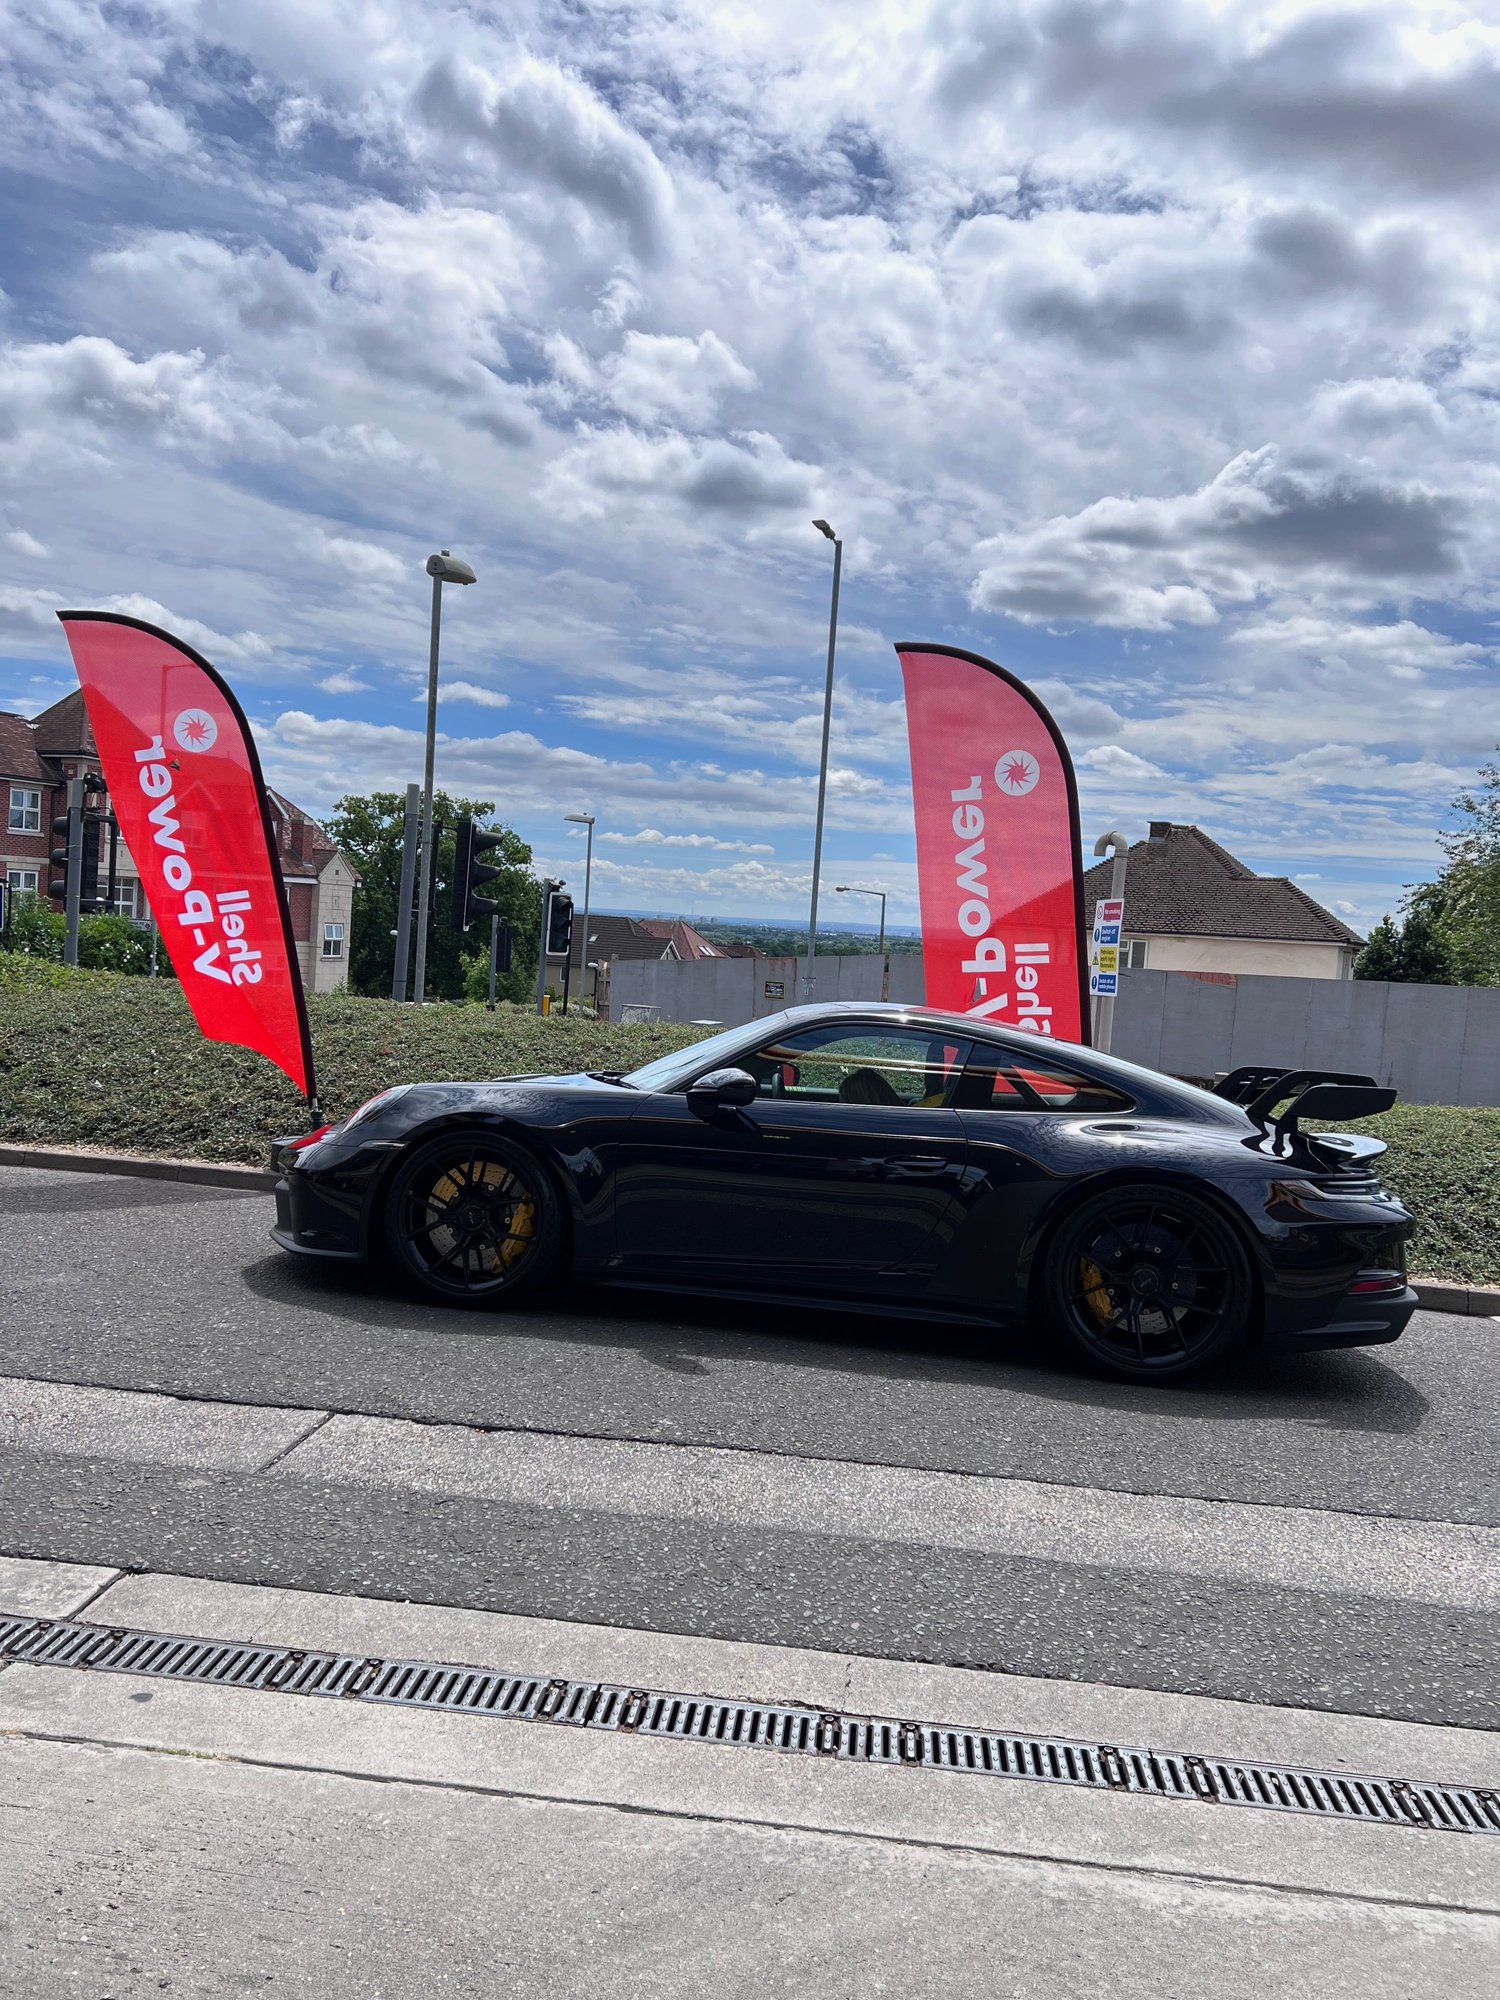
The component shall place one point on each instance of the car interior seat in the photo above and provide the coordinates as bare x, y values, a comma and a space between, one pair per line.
866, 1086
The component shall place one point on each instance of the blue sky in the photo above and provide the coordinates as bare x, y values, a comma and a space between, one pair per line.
1151, 350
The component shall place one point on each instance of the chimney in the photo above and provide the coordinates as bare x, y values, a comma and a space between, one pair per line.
1159, 829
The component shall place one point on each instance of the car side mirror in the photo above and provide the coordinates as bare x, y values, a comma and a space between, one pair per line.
722, 1089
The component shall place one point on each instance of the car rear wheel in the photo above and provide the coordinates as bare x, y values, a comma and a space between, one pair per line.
474, 1220
1147, 1283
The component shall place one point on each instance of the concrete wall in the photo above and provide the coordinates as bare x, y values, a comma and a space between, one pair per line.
731, 990
1435, 1044
1275, 957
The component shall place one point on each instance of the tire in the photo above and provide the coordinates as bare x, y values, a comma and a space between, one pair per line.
1147, 1284
474, 1219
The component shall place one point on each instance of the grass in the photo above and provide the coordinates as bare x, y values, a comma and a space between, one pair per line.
1444, 1163
98, 1059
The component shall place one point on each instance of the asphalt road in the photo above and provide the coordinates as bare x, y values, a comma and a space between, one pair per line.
809, 1506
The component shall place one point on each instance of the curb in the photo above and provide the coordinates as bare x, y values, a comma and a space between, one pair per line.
1478, 1301
1472, 1301
196, 1173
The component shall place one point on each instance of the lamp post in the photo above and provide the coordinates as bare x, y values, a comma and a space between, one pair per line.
442, 568
585, 819
853, 889
833, 629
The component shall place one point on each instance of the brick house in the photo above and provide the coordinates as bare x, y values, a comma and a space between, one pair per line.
38, 757
1191, 907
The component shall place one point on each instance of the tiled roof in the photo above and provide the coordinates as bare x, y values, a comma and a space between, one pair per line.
638, 938
687, 942
1182, 884
64, 728
18, 754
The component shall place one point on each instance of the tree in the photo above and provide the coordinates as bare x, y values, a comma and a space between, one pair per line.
1471, 883
369, 829
1416, 950
105, 943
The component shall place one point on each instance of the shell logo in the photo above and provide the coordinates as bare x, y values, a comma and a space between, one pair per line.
195, 729
1016, 773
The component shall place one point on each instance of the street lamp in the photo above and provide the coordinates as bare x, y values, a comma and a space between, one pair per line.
585, 819
853, 889
833, 628
442, 568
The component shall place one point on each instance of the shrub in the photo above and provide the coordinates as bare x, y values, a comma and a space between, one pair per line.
95, 1059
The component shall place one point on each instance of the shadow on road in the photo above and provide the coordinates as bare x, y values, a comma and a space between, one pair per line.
1342, 1390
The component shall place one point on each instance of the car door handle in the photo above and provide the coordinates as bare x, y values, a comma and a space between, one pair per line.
914, 1163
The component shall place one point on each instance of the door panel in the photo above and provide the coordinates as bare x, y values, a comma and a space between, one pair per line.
788, 1185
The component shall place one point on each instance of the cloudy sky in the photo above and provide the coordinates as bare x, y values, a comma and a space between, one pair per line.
1149, 348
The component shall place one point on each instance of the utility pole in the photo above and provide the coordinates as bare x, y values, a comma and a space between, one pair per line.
408, 883
70, 860
442, 568
833, 630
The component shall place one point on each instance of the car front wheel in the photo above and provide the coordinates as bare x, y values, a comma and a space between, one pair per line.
473, 1219
1147, 1283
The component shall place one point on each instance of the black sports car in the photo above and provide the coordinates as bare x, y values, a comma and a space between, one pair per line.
897, 1158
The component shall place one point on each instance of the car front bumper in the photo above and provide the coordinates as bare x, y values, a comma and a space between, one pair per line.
1369, 1321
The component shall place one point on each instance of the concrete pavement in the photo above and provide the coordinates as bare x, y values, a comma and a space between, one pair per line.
225, 1839
1290, 1561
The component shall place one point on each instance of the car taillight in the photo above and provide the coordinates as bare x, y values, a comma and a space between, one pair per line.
1379, 1281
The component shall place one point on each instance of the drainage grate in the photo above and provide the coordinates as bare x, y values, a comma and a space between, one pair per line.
752, 1725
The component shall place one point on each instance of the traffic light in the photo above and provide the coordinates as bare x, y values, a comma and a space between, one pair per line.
67, 828
470, 873
84, 825
559, 924
89, 899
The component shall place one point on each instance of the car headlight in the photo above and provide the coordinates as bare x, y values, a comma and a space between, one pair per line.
373, 1104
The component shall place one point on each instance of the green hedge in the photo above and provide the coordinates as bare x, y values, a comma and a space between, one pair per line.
97, 1059
92, 1058
1444, 1163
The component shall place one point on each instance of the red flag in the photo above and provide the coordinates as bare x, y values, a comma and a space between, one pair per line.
999, 862
186, 787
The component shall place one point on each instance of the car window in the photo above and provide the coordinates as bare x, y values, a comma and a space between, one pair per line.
993, 1081
860, 1064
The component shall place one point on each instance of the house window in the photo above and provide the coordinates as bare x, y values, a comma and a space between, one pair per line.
1135, 955
124, 903
333, 940
21, 881
25, 809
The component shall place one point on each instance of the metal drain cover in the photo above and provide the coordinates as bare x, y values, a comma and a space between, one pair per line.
790, 1728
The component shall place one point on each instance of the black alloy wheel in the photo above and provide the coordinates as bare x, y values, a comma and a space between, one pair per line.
474, 1219
1147, 1283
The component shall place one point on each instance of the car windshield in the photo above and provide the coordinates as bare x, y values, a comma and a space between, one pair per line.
668, 1071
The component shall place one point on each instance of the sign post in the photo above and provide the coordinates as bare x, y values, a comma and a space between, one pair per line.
1106, 953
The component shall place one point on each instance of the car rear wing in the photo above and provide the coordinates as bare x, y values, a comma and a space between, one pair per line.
1303, 1094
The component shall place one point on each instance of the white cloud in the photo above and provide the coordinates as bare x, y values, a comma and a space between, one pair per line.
482, 697
658, 378
650, 836
26, 545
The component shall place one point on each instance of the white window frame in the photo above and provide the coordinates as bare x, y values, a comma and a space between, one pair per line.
333, 934
13, 870
126, 900
1135, 955
21, 813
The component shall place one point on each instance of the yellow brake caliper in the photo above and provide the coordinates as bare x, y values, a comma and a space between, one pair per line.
1096, 1292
